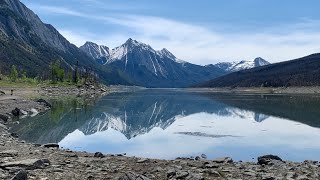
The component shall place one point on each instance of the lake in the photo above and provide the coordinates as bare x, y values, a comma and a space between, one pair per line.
167, 124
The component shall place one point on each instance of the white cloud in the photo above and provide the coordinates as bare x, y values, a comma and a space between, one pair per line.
199, 44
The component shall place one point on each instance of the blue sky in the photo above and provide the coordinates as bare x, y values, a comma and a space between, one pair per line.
202, 32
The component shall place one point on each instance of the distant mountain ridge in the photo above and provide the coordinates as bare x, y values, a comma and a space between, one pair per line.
304, 71
242, 65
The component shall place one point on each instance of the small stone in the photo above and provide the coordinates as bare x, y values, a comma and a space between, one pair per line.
171, 173
142, 160
303, 177
157, 169
214, 173
23, 112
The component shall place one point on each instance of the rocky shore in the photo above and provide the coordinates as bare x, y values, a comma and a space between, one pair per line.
20, 160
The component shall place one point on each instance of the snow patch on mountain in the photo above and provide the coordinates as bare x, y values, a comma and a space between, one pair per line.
242, 65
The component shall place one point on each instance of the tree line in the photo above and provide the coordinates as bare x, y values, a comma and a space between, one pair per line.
58, 74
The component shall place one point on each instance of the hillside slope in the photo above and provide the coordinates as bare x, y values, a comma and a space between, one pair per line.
31, 45
304, 71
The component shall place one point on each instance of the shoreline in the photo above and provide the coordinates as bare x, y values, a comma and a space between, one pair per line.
21, 159
306, 90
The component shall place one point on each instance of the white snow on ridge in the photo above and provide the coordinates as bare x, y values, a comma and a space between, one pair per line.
242, 65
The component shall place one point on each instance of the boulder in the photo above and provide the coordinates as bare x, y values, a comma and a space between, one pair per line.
98, 155
15, 135
4, 117
28, 164
46, 103
181, 174
267, 159
16, 112
21, 175
51, 145
223, 160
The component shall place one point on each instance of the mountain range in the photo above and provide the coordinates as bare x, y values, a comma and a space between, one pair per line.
159, 68
31, 45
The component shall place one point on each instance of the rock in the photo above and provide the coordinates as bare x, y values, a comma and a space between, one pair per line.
51, 145
133, 176
4, 117
171, 173
9, 153
23, 112
223, 160
46, 103
194, 177
303, 177
157, 169
203, 156
267, 159
142, 160
28, 164
15, 135
211, 165
21, 175
16, 112
197, 158
34, 112
213, 173
98, 155
181, 174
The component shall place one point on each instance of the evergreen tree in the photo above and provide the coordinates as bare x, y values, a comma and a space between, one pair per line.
13, 73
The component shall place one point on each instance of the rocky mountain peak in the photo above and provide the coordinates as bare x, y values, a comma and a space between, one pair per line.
166, 53
260, 62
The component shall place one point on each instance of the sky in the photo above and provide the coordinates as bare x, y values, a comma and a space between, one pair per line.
201, 32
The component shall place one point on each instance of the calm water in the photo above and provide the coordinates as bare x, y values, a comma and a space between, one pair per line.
170, 124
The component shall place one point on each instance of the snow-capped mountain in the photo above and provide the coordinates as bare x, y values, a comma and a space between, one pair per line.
148, 67
242, 65
98, 52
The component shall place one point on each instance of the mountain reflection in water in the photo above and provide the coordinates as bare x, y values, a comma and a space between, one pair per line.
152, 116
